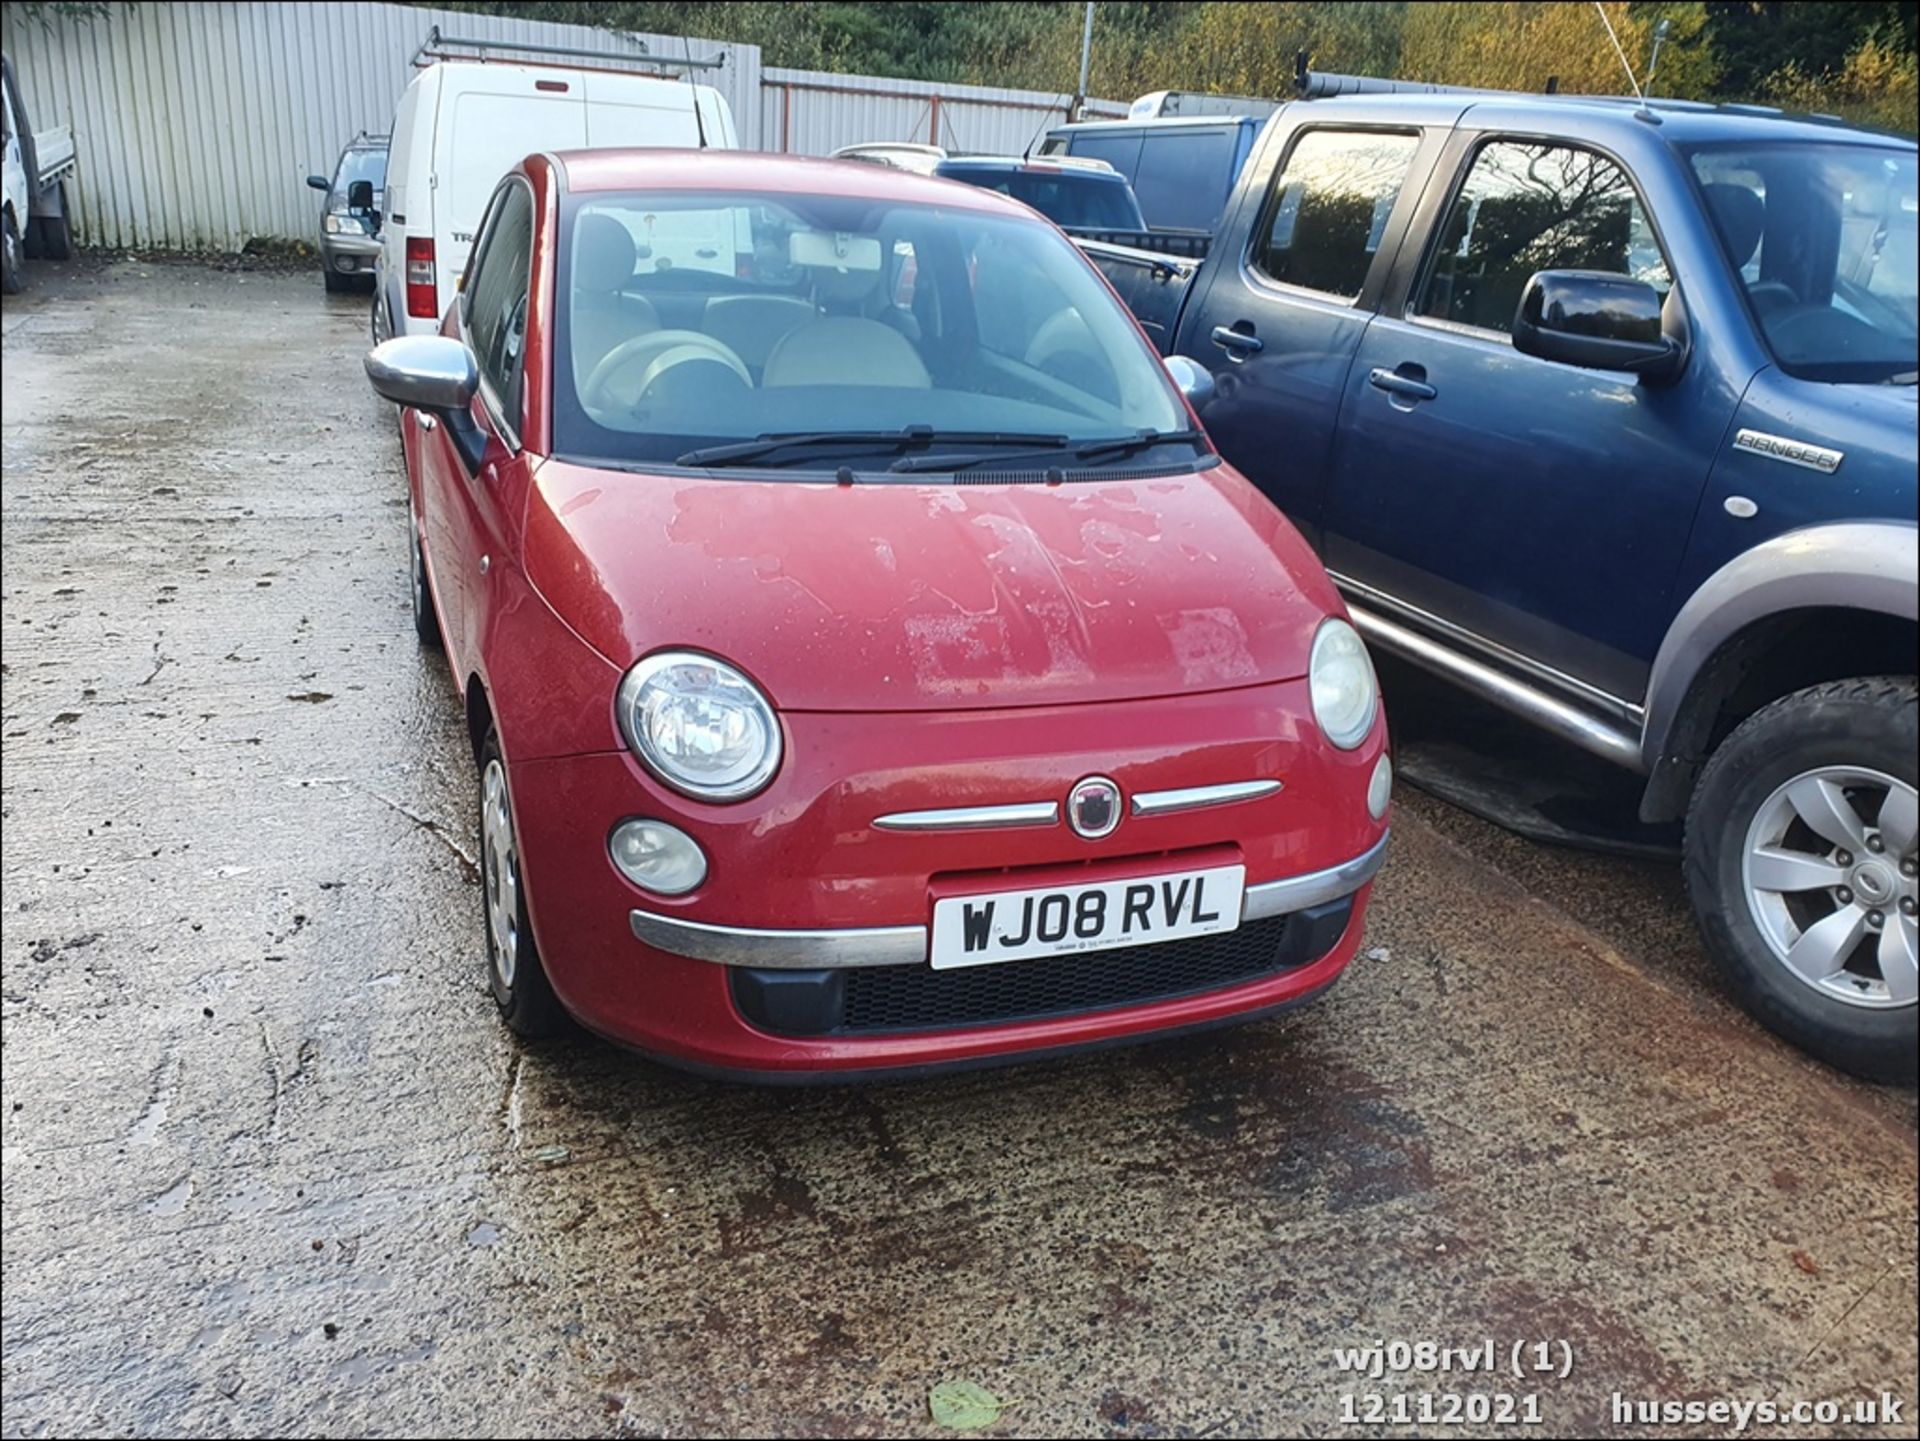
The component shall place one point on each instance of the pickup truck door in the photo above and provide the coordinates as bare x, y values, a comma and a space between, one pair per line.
1520, 508
1288, 288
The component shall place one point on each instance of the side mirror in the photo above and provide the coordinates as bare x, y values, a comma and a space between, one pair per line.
318, 182
1599, 321
1194, 380
360, 195
434, 373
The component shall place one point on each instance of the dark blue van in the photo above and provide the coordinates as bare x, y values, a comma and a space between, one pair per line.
1182, 168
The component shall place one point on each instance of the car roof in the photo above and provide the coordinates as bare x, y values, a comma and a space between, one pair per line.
1161, 122
747, 170
1680, 122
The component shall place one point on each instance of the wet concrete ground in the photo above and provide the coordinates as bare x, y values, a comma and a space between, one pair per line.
271, 1164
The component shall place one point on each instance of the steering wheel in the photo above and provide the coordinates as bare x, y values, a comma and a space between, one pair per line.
647, 347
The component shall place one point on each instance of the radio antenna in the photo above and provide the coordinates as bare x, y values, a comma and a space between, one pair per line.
1644, 113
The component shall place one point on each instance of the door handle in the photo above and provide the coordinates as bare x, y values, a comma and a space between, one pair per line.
1404, 386
1238, 344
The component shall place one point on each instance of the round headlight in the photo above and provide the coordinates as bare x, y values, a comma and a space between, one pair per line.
699, 725
1340, 677
657, 857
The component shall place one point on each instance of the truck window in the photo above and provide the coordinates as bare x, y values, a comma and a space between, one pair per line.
1118, 148
1184, 177
1329, 209
1525, 207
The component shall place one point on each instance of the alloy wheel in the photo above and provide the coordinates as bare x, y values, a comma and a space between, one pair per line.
1829, 869
500, 873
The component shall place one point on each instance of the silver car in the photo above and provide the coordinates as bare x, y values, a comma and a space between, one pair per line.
350, 226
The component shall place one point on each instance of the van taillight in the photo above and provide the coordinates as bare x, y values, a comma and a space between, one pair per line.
423, 299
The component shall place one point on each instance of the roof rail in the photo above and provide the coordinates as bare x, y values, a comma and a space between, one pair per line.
435, 46
1325, 84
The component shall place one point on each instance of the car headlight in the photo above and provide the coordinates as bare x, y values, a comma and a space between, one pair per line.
1340, 677
699, 725
331, 225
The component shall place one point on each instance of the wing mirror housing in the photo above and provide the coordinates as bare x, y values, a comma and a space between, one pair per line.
1599, 320
435, 374
1193, 380
318, 182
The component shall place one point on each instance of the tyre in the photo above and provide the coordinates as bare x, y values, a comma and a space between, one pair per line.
56, 231
426, 621
1801, 868
12, 281
515, 974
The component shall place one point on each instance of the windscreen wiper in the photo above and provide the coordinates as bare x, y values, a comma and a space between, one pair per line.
1086, 450
745, 452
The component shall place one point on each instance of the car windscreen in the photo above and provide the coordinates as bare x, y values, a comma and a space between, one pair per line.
1823, 240
687, 320
360, 165
1070, 200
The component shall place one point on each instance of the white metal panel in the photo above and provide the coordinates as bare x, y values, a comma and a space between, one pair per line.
197, 123
815, 112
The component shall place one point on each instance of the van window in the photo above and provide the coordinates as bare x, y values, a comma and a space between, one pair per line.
1119, 148
1529, 206
1329, 209
1184, 177
497, 283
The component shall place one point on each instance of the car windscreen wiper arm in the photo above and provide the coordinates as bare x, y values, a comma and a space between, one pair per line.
747, 451
1086, 450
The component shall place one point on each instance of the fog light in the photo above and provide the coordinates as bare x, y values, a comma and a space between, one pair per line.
1380, 788
657, 857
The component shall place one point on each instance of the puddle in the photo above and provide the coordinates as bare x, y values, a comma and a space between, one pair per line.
173, 1200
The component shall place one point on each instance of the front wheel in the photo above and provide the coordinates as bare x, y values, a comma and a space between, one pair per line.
515, 974
1802, 868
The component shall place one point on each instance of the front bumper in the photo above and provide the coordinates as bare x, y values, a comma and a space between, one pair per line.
349, 254
805, 889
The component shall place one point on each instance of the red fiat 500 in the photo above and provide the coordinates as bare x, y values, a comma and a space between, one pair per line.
868, 663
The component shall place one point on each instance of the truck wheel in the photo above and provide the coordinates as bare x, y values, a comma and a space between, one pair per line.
12, 282
56, 231
514, 972
335, 283
1801, 864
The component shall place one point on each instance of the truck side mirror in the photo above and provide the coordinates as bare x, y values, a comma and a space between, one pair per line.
318, 182
360, 196
1597, 320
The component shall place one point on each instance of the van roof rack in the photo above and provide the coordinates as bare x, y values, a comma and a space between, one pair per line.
1325, 84
436, 46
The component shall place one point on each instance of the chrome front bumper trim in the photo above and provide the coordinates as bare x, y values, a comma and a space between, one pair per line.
785, 950
1296, 893
1193, 798
973, 818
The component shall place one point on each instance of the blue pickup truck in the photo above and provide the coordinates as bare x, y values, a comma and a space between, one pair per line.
1606, 411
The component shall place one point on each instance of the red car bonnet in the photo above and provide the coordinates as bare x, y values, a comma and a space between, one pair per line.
934, 596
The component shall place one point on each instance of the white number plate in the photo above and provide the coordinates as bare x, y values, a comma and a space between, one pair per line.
1058, 920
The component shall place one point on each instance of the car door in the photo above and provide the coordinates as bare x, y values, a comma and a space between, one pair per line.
1521, 505
493, 322
1278, 324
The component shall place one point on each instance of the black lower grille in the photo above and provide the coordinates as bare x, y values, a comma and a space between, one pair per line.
918, 998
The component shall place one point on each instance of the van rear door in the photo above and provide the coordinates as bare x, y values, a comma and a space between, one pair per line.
491, 118
639, 110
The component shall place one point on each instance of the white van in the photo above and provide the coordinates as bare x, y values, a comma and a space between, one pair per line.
461, 125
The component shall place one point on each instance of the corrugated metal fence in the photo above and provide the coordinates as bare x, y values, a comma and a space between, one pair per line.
197, 124
815, 112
